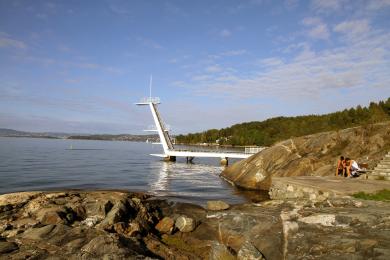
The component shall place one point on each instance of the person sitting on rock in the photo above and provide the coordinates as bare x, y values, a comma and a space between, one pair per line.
352, 168
340, 170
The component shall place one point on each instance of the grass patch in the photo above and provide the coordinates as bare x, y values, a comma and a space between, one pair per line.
382, 195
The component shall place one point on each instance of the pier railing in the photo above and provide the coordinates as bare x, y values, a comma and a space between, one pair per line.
253, 150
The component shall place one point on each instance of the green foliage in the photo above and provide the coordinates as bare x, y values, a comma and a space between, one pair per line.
383, 195
267, 132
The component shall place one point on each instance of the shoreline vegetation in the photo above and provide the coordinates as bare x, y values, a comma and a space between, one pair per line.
270, 131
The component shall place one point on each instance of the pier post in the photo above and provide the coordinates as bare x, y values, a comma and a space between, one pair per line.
170, 159
224, 161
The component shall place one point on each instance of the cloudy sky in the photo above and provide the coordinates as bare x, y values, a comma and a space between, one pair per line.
78, 66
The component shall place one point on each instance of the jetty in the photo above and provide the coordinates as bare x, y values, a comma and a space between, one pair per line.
170, 152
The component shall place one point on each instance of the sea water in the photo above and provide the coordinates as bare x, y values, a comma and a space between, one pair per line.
28, 164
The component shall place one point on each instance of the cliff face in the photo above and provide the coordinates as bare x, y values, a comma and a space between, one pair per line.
311, 155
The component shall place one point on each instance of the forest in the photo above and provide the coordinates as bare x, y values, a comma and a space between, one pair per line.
267, 132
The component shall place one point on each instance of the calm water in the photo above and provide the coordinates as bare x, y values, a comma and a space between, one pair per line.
50, 164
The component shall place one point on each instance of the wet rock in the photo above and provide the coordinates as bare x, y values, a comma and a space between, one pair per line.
7, 247
165, 225
185, 224
249, 252
217, 205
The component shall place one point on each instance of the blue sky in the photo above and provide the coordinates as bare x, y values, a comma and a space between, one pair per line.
78, 66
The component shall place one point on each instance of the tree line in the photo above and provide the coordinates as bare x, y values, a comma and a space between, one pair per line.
272, 130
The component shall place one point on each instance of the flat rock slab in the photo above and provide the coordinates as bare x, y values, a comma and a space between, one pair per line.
316, 186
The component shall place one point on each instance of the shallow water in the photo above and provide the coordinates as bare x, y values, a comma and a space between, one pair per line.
51, 164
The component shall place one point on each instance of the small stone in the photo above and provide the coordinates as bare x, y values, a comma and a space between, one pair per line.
249, 252
7, 247
165, 225
185, 224
217, 205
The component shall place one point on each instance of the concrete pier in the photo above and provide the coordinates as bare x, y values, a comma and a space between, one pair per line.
321, 188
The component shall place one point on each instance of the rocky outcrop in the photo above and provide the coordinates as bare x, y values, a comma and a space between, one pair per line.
312, 155
121, 225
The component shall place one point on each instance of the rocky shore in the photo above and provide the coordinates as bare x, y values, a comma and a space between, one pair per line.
124, 225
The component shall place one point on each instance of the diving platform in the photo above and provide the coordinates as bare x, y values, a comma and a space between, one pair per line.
170, 152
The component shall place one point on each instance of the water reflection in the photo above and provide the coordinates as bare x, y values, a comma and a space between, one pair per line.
196, 183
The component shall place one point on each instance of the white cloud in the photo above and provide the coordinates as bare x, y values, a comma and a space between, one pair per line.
359, 65
6, 41
149, 43
318, 29
327, 5
234, 52
213, 69
225, 33
353, 29
378, 4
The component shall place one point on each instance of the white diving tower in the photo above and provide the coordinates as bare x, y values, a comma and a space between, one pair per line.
170, 153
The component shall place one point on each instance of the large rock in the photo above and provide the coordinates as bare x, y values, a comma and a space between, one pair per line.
185, 224
310, 155
217, 205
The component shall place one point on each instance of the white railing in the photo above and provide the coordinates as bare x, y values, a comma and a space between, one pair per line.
253, 150
154, 100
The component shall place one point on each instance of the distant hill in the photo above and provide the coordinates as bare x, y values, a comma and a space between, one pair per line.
266, 133
5, 132
8, 132
121, 137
